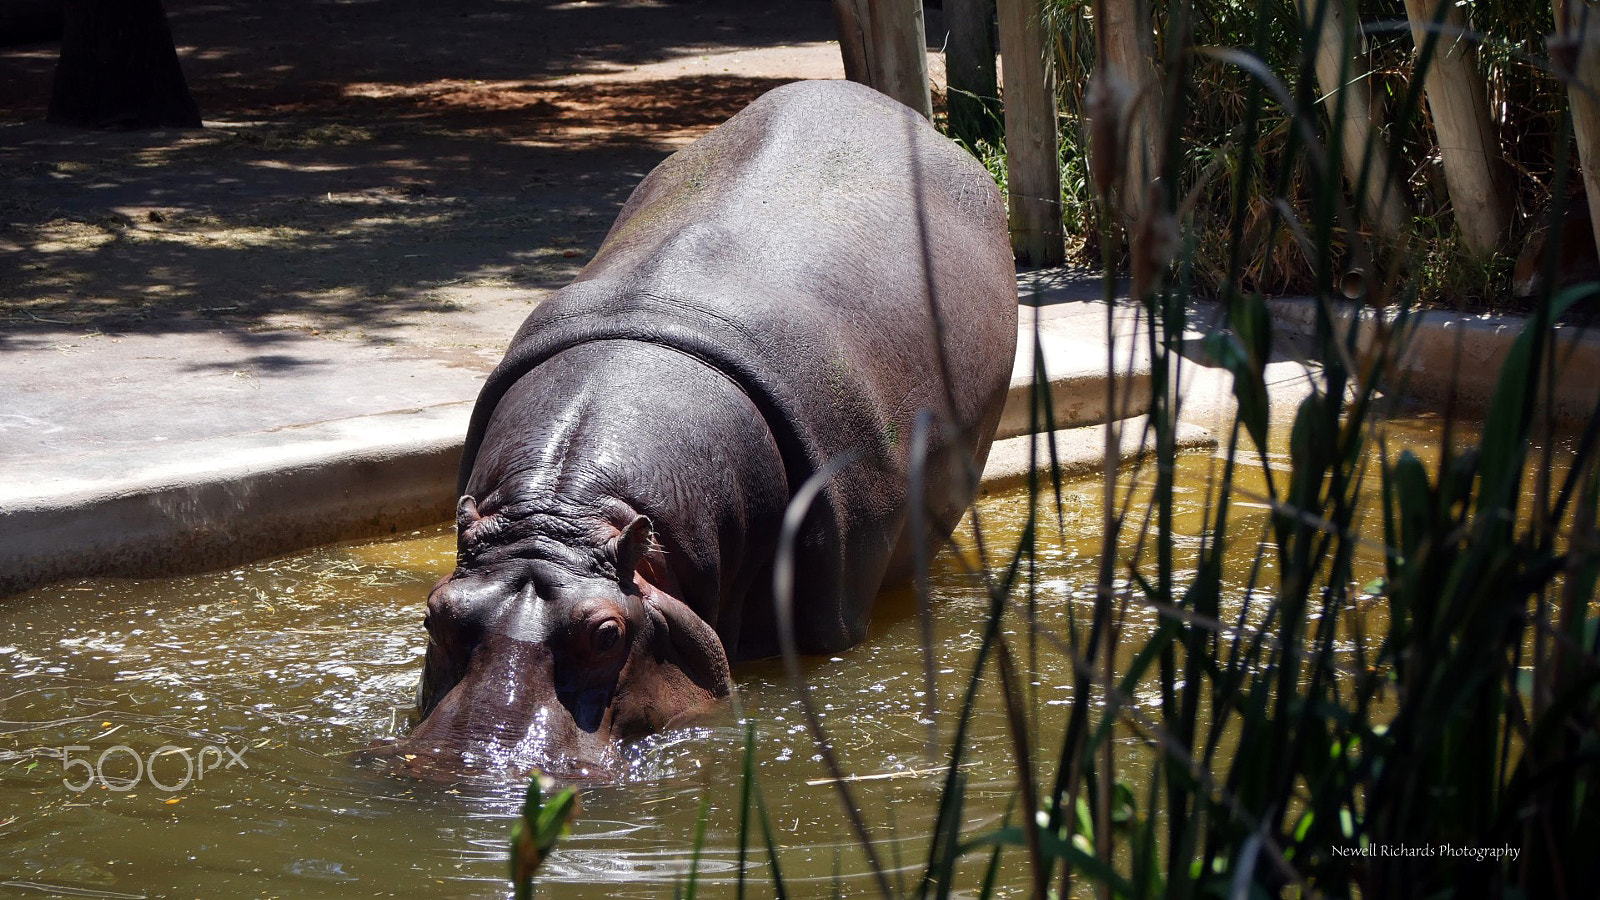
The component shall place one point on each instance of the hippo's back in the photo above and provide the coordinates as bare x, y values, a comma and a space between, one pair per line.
848, 267
821, 182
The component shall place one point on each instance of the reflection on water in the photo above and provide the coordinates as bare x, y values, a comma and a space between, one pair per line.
296, 665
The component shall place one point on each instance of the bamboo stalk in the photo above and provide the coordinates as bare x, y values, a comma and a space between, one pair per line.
852, 29
1577, 47
884, 45
899, 53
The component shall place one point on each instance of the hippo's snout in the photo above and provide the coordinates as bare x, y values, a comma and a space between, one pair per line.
506, 716
552, 663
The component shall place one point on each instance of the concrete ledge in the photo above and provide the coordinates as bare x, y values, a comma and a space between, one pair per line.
1071, 338
1079, 451
227, 500
259, 495
1449, 353
350, 479
1077, 398
156, 509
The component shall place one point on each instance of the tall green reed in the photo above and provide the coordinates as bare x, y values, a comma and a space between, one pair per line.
1301, 745
1293, 751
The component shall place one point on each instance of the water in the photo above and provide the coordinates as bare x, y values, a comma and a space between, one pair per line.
300, 663
295, 666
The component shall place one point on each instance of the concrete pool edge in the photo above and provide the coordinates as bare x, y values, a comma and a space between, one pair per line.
348, 479
1458, 356
1079, 451
153, 507
230, 499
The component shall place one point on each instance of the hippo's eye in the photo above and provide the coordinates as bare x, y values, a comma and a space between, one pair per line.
606, 635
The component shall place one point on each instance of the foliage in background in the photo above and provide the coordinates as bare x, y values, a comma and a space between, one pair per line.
1527, 105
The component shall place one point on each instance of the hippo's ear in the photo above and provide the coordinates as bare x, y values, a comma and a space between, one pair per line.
466, 513
630, 545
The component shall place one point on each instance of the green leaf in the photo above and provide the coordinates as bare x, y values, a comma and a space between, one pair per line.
535, 833
1505, 428
1303, 827
692, 889
1414, 497
1053, 845
1122, 803
1244, 352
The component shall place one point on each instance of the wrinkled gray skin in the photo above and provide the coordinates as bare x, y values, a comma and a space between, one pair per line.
797, 285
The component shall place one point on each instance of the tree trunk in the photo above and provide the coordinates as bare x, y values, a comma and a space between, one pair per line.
852, 40
1033, 163
1459, 105
118, 68
974, 96
1129, 50
1338, 82
1576, 49
29, 21
885, 47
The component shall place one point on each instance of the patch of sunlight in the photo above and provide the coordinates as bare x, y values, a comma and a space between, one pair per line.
374, 223
46, 286
62, 236
212, 54
385, 89
575, 5
69, 235
493, 94
297, 167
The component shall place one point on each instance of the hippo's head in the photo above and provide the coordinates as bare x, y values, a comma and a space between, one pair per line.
554, 641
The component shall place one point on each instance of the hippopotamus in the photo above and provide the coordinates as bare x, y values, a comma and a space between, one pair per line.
792, 290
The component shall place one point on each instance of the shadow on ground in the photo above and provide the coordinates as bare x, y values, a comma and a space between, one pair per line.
365, 163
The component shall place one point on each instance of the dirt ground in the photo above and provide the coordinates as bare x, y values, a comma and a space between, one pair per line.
388, 171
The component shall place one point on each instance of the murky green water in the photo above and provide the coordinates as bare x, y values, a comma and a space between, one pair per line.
294, 666
299, 663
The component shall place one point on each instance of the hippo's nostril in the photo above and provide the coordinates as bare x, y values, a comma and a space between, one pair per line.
588, 708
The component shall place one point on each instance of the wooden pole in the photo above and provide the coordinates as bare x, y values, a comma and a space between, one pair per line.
1033, 163
885, 46
1339, 81
1577, 50
1127, 43
974, 98
852, 41
900, 53
1459, 106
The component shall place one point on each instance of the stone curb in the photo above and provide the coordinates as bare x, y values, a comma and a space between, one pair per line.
222, 501
215, 502
1079, 451
1451, 352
